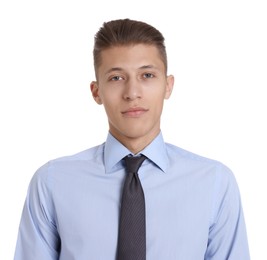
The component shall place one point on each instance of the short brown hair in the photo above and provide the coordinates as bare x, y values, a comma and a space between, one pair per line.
123, 32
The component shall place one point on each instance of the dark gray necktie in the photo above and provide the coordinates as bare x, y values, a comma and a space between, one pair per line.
132, 226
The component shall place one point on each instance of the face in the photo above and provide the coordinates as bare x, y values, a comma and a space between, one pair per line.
132, 86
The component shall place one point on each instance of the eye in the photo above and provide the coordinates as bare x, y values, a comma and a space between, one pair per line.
148, 75
116, 78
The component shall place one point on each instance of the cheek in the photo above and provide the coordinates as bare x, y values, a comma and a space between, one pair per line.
159, 105
157, 98
109, 94
111, 106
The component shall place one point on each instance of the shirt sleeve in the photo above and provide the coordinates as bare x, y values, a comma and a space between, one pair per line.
227, 234
38, 237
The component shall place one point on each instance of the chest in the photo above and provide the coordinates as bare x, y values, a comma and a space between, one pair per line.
177, 216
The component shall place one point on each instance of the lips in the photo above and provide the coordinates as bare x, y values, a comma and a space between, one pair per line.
134, 112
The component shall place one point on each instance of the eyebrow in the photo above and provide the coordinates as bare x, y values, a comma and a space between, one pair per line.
114, 69
148, 67
140, 68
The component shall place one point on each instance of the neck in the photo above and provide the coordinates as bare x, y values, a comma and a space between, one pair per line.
136, 144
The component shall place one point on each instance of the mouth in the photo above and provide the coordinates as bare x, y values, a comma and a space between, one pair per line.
134, 112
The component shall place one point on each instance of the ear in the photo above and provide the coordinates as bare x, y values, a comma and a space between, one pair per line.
94, 89
169, 86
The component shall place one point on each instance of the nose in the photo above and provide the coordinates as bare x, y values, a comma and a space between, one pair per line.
132, 90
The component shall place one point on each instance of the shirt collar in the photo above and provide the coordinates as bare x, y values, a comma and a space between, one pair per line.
114, 151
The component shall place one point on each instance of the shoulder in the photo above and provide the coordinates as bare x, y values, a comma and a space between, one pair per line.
91, 156
189, 160
221, 179
86, 155
183, 154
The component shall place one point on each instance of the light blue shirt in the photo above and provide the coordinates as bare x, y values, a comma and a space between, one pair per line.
193, 208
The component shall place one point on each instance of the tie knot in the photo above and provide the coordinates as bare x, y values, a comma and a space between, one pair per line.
133, 163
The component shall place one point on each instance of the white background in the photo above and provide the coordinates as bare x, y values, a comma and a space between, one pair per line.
217, 53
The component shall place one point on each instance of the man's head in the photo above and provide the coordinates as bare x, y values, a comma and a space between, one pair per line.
131, 80
124, 32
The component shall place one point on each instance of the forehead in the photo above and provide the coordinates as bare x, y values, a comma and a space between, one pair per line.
130, 56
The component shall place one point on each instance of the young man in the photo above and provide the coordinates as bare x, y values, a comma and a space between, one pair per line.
75, 205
